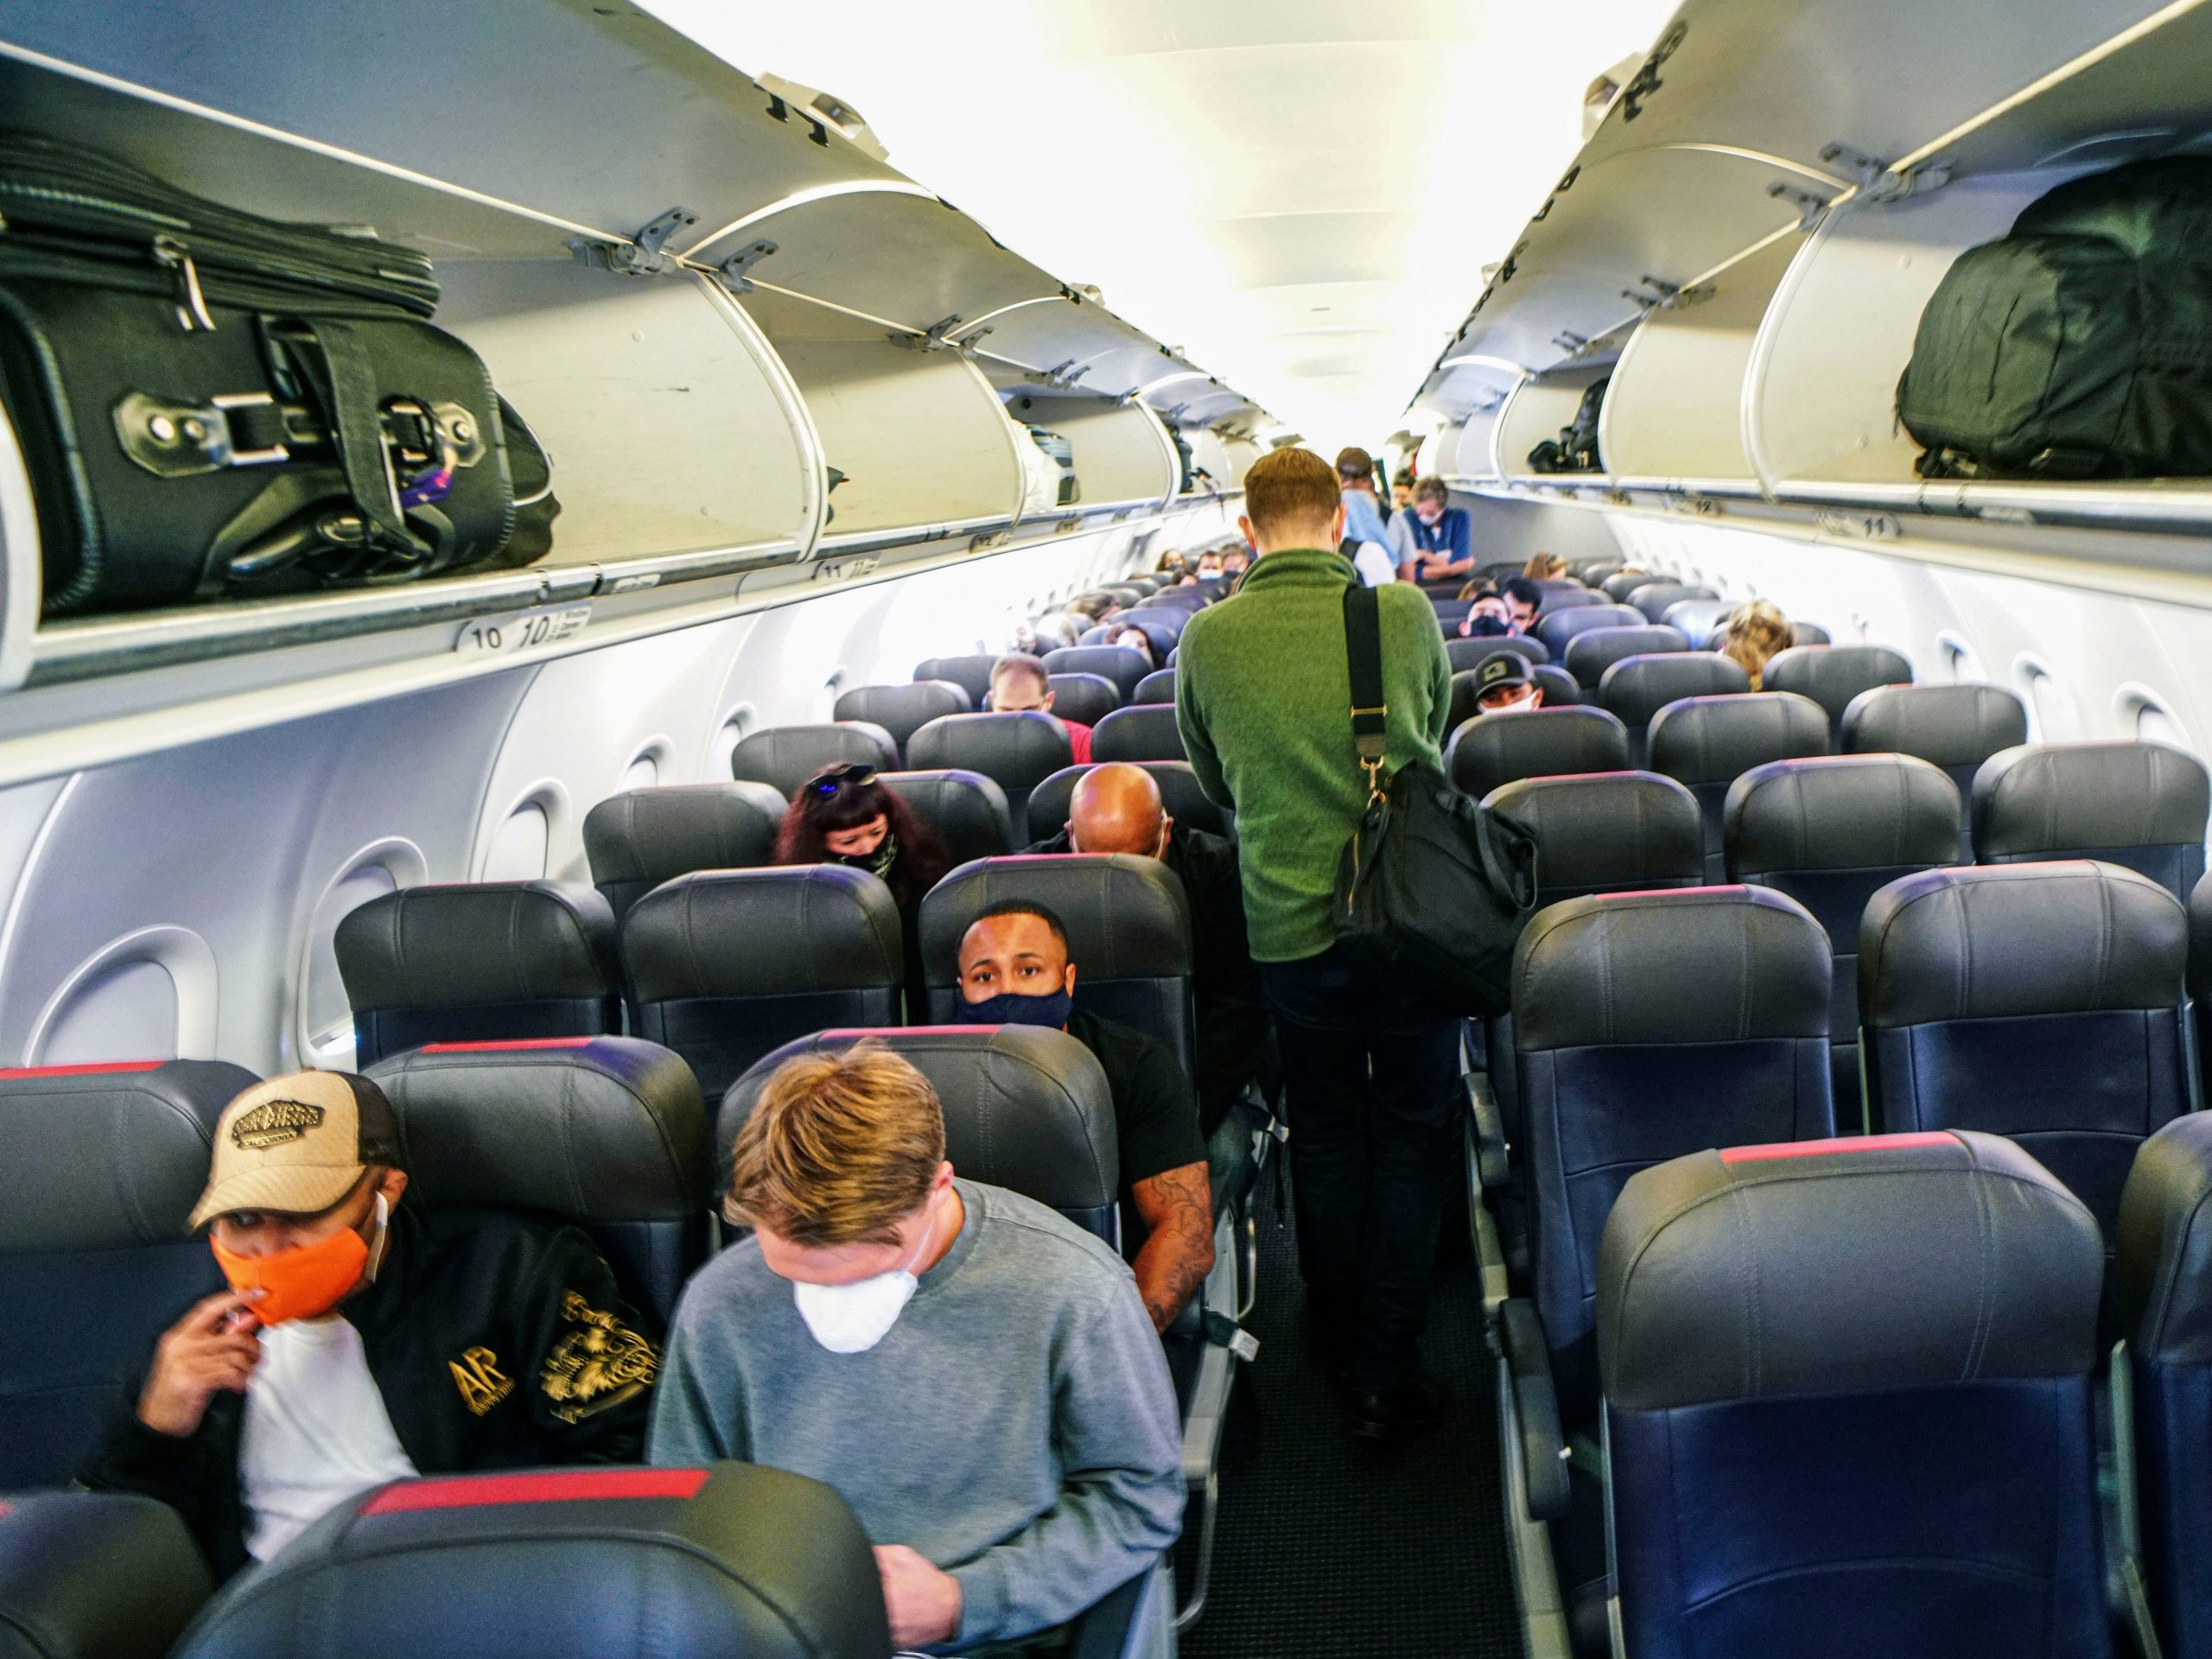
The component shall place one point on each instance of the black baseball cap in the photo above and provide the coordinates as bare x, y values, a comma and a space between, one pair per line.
1502, 668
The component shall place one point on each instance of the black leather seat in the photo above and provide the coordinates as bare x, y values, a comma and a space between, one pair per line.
2140, 804
102, 1164
1697, 619
2200, 976
1557, 629
784, 757
1709, 742
1637, 687
1123, 666
94, 1575
1831, 832
1558, 686
1849, 1404
1181, 798
1450, 612
1565, 596
1592, 651
2042, 1001
732, 1561
607, 1134
1832, 675
1654, 599
1954, 727
1622, 583
639, 839
725, 965
1158, 686
965, 810
971, 674
1496, 749
902, 710
1146, 733
1466, 654
1015, 750
1085, 699
1590, 572
467, 962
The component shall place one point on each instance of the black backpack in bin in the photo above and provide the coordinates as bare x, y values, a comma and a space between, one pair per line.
1575, 449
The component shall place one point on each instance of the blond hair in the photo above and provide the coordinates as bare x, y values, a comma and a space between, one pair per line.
1544, 567
1289, 490
1756, 632
838, 1149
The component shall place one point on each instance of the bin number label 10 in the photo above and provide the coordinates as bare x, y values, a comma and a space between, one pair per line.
522, 632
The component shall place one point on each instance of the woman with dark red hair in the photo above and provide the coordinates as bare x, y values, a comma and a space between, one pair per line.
842, 815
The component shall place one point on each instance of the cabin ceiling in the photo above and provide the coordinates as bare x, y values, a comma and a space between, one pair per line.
1299, 194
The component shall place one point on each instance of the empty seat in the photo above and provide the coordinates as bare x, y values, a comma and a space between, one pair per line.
732, 1561
1497, 569
1590, 572
1181, 798
1149, 732
639, 839
971, 674
1591, 653
1655, 598
1606, 832
1495, 749
1560, 626
784, 757
1831, 832
1618, 586
2140, 804
103, 1166
725, 965
1697, 619
1560, 690
1464, 654
1832, 675
1709, 742
1565, 596
2200, 976
1849, 1404
1085, 699
607, 1134
902, 710
1954, 727
1637, 687
1017, 751
1158, 686
1450, 613
1123, 666
94, 1575
468, 962
1808, 633
965, 810
2042, 1001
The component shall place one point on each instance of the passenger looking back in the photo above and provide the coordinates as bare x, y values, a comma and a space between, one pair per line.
1504, 685
358, 1344
1023, 685
1523, 599
1435, 540
844, 815
971, 1372
1756, 633
1014, 970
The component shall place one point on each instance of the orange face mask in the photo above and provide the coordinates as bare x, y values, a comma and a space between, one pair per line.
302, 1282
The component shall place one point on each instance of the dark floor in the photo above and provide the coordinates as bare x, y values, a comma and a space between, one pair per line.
1332, 1548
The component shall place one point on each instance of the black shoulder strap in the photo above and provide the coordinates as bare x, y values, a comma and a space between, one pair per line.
1363, 655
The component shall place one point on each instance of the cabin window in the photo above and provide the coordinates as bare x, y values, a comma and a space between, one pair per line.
736, 726
2051, 718
1958, 658
2154, 722
323, 1022
150, 994
643, 772
518, 851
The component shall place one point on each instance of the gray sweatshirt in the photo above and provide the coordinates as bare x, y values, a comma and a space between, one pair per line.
1017, 1427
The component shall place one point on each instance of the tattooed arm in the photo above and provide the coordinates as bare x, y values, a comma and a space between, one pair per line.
1177, 1207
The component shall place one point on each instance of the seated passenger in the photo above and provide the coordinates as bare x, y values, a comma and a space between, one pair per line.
971, 1371
1014, 971
359, 1344
1544, 567
1021, 685
1434, 539
1756, 632
1489, 618
1504, 685
1210, 562
1523, 599
1135, 640
1236, 560
842, 815
1116, 809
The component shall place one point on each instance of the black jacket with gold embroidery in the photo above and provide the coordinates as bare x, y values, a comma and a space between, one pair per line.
496, 1342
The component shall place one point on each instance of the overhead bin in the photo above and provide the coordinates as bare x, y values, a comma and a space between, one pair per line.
1538, 410
1123, 457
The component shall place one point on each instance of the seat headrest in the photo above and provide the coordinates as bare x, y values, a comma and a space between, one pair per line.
965, 810
1025, 1108
460, 945
1119, 663
902, 710
1158, 686
1085, 699
1607, 828
1018, 750
2200, 936
567, 1564
1654, 599
1872, 1263
1181, 798
1637, 687
1697, 618
1492, 750
2008, 940
771, 932
2165, 1239
1687, 965
972, 674
647, 836
107, 1157
1945, 724
1464, 655
2057, 798
1147, 732
1841, 812
1718, 740
1592, 651
1127, 917
95, 1575
587, 1128
784, 757
1557, 627
1832, 675
1559, 687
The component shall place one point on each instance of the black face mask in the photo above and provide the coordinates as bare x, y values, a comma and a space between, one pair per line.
879, 862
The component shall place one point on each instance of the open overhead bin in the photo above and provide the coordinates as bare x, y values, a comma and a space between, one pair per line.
1121, 457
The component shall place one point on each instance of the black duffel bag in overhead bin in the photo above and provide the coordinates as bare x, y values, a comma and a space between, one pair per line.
215, 405
2079, 345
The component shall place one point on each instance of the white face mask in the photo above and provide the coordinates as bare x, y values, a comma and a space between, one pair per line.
852, 1318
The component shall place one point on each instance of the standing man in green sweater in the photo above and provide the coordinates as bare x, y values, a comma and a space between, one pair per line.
1263, 696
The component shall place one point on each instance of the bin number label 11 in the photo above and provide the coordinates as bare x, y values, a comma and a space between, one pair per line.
522, 632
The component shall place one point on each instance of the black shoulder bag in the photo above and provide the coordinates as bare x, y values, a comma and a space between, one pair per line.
1432, 890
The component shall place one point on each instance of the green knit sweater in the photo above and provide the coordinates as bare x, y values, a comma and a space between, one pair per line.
1263, 698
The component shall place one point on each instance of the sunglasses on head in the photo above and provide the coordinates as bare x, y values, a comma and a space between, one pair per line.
856, 775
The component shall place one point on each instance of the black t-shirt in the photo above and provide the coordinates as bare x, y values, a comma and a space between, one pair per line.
1155, 1112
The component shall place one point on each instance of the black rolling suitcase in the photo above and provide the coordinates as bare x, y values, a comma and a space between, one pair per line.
215, 405
1575, 449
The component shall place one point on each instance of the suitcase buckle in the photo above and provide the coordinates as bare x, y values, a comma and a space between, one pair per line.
239, 429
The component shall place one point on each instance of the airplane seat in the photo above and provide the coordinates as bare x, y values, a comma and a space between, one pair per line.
902, 710
1636, 688
1498, 570
1698, 618
1831, 831
2042, 1001
972, 674
1565, 596
1149, 732
577, 1563
607, 1134
1558, 687
1156, 620
1450, 612
95, 1575
1096, 634
1617, 587
1593, 651
725, 964
468, 961
2199, 978
1465, 654
1655, 598
1832, 675
1848, 1403
2139, 804
1085, 699
1492, 750
1560, 626
1119, 663
642, 837
1158, 686
104, 1164
1181, 798
965, 810
1590, 572
1015, 750
784, 757
1709, 742
1954, 727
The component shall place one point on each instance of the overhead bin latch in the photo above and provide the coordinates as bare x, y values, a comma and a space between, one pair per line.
734, 268
1811, 208
942, 335
1880, 181
645, 254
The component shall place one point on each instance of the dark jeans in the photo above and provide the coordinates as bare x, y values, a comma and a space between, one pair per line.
1375, 1101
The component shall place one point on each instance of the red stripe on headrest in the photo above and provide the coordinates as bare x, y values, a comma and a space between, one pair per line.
80, 1070
901, 1031
508, 1043
558, 1486
1842, 1143
6, 1510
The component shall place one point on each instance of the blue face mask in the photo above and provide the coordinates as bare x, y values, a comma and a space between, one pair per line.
1005, 1010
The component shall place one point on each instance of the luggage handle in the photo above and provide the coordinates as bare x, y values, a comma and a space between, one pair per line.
332, 353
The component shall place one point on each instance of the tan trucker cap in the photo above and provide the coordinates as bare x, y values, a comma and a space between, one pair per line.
297, 1145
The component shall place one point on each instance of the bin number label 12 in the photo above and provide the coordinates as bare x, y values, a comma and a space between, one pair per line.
522, 632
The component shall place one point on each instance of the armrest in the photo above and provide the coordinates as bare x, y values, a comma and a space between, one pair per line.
1492, 1166
1536, 1411
1108, 1628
